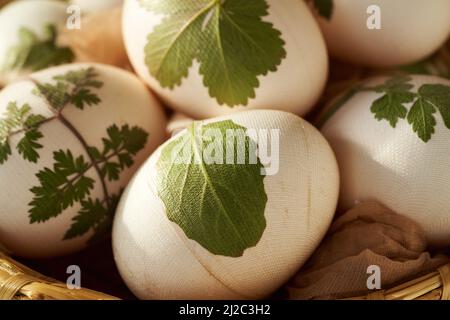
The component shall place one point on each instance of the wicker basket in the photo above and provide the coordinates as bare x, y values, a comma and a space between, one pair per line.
18, 282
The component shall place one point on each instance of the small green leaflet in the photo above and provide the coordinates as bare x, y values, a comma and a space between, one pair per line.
74, 87
219, 205
20, 119
118, 150
429, 99
229, 39
67, 182
60, 187
36, 54
324, 8
390, 106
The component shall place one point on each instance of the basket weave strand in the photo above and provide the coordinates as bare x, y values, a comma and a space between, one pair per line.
433, 286
445, 276
17, 282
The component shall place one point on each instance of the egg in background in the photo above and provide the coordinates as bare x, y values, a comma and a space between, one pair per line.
410, 31
295, 86
34, 15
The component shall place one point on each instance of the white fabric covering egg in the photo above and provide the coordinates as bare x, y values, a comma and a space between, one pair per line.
400, 160
70, 139
156, 247
293, 85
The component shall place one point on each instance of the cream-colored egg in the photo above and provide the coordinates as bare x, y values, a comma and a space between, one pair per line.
295, 86
410, 30
117, 108
89, 6
396, 166
33, 16
158, 260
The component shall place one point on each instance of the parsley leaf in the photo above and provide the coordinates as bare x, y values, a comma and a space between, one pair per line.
118, 149
421, 118
36, 54
28, 145
15, 120
72, 87
91, 214
229, 39
5, 152
67, 182
438, 96
390, 106
60, 187
429, 99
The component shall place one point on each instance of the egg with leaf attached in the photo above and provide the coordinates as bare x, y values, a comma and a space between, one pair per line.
209, 58
391, 138
229, 208
383, 33
28, 39
70, 139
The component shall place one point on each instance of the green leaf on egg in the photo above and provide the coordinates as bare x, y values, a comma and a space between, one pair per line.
5, 152
91, 214
118, 150
429, 99
73, 87
20, 120
218, 203
35, 54
229, 39
390, 106
71, 181
324, 8
61, 186
29, 145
